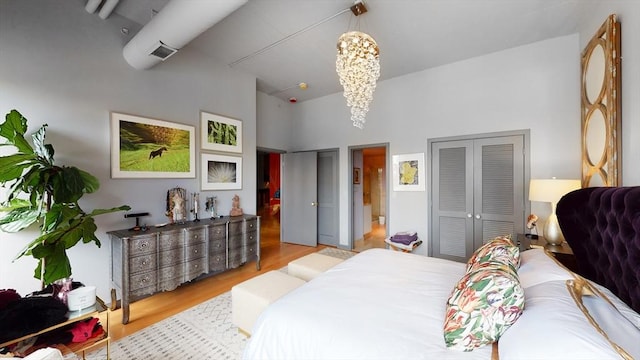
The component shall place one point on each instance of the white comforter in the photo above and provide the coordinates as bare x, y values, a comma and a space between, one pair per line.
379, 304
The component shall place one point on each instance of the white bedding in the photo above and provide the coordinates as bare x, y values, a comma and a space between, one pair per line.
363, 309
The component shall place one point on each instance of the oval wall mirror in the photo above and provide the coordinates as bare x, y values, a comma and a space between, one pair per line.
601, 107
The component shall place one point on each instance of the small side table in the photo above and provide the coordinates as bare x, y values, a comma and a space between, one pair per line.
402, 247
562, 252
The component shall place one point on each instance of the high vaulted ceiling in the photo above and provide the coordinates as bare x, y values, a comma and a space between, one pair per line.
413, 35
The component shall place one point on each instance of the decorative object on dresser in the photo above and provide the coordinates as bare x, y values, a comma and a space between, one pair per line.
149, 148
551, 190
195, 206
40, 192
211, 206
162, 259
176, 210
236, 210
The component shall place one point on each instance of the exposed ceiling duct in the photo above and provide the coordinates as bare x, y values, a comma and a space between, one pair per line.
105, 10
173, 27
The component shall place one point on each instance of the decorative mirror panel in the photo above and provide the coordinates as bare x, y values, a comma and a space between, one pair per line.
601, 108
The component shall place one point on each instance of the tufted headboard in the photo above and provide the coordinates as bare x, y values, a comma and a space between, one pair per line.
602, 226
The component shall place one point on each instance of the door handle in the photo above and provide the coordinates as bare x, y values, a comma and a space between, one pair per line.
469, 215
477, 216
313, 203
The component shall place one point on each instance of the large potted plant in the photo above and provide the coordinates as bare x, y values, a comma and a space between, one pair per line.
40, 192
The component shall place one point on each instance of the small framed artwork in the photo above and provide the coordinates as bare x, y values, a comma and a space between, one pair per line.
408, 172
149, 148
220, 133
356, 175
221, 172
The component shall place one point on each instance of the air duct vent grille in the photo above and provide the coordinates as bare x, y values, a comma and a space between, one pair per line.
163, 51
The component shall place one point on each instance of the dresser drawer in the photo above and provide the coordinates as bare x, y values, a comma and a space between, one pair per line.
171, 272
142, 263
171, 257
195, 251
217, 232
217, 261
142, 245
195, 267
171, 240
140, 281
195, 236
235, 228
217, 245
252, 225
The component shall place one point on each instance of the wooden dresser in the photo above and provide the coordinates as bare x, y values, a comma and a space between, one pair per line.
161, 259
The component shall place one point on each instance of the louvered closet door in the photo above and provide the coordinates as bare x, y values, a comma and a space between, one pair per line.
452, 219
499, 192
477, 192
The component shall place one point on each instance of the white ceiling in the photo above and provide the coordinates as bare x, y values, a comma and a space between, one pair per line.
412, 35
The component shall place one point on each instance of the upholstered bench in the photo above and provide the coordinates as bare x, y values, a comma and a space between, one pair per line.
251, 297
312, 265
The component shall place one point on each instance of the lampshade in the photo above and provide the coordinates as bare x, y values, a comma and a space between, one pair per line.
551, 190
358, 67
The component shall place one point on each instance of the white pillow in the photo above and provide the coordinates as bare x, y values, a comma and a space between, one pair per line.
537, 266
553, 327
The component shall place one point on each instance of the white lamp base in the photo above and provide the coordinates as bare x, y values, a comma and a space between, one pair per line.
552, 233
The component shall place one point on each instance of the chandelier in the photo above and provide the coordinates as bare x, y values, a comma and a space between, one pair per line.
358, 67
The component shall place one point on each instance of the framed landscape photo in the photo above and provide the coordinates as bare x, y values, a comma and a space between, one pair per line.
221, 172
149, 148
408, 172
220, 133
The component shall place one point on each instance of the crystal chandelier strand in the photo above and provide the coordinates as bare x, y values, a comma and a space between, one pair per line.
358, 67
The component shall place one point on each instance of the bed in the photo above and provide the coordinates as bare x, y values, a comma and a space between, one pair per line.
382, 304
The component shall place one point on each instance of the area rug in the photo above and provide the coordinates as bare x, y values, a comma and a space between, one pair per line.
202, 332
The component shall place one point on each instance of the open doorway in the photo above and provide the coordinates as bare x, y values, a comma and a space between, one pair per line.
268, 198
369, 220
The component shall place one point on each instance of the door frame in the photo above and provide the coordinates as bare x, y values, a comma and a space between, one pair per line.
274, 151
350, 150
525, 133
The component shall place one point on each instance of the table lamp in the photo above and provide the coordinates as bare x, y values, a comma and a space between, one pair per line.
551, 190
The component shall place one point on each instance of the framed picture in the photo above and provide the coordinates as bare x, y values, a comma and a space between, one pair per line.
356, 175
220, 133
408, 172
221, 172
149, 148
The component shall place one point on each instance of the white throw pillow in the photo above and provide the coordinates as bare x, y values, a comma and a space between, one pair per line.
538, 266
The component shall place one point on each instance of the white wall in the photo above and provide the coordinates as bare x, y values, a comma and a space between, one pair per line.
62, 66
274, 122
530, 87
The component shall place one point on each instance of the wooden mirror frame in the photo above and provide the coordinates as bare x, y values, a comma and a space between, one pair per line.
602, 156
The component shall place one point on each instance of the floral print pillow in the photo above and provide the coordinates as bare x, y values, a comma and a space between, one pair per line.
499, 250
482, 306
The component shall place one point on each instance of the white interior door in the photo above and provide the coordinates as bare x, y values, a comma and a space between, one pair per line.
299, 204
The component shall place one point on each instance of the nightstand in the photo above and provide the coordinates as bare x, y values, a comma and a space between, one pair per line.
562, 252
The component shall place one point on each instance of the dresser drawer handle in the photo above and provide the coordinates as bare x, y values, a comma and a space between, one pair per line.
144, 262
143, 245
195, 251
195, 236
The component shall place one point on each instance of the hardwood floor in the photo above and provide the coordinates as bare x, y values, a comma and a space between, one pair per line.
274, 255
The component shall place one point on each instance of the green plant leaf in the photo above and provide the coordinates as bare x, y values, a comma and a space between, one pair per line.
41, 149
91, 183
11, 166
56, 262
96, 212
18, 219
13, 129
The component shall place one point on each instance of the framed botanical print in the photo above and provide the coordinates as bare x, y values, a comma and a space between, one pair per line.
408, 172
221, 172
220, 133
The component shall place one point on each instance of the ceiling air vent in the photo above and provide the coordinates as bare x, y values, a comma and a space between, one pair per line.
162, 51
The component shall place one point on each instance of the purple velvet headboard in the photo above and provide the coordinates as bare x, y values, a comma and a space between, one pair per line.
602, 226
